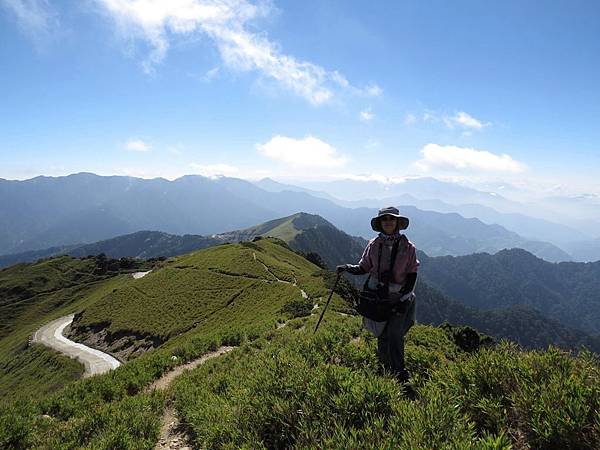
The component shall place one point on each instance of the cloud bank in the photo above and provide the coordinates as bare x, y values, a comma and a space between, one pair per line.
305, 153
462, 159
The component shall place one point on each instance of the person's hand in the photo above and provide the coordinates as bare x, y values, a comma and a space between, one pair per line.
341, 268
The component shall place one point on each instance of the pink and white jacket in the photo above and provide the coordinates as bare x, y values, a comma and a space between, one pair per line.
406, 258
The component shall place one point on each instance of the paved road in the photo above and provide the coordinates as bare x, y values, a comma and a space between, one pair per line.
137, 275
95, 361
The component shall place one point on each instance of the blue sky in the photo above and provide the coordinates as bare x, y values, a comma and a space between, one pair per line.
472, 91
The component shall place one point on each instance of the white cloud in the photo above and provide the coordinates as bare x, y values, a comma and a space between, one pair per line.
307, 152
461, 120
380, 178
462, 159
366, 115
464, 120
215, 170
137, 145
226, 24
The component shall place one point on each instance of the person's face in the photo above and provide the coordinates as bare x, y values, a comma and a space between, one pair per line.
388, 224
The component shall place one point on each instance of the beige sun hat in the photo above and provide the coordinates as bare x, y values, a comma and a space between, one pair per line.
389, 211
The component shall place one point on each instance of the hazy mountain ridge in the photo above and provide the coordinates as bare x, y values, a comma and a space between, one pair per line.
572, 236
581, 212
526, 226
86, 208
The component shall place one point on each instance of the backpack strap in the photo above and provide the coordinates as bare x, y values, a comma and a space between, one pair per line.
379, 260
394, 254
392, 262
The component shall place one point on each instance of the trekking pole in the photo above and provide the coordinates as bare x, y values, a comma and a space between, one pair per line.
328, 300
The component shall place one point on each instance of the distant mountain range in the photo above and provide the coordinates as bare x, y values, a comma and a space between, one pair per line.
518, 323
568, 293
526, 226
423, 187
581, 212
141, 244
587, 250
48, 212
426, 194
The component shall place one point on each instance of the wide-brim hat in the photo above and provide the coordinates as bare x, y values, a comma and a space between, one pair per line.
389, 211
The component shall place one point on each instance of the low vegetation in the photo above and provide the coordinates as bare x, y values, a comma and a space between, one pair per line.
285, 387
34, 294
238, 288
290, 389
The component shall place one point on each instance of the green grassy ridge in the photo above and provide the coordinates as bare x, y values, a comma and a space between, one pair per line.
284, 228
21, 365
33, 295
80, 413
31, 370
321, 391
306, 233
291, 389
112, 410
26, 288
35, 372
208, 289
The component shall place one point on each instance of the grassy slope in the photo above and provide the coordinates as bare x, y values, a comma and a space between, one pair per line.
281, 228
224, 287
30, 290
291, 389
112, 410
35, 294
287, 387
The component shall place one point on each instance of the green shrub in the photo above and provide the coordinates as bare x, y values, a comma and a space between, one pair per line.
549, 396
298, 307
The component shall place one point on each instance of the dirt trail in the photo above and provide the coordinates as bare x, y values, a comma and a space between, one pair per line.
295, 283
165, 381
173, 433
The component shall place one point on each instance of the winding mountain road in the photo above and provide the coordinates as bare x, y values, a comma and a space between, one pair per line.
94, 361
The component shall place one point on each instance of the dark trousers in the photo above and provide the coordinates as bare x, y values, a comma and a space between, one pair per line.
390, 345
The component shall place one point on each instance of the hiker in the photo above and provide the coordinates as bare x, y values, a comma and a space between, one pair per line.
395, 285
